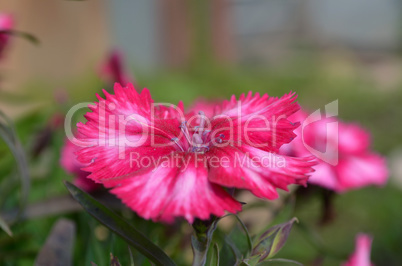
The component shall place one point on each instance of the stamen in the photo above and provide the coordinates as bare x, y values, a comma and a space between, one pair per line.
205, 132
182, 124
186, 135
196, 140
175, 140
202, 122
184, 129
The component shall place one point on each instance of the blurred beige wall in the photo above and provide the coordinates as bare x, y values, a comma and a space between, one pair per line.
73, 37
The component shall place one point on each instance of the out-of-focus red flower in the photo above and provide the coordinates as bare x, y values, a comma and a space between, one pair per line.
164, 163
114, 69
70, 163
361, 256
357, 166
6, 24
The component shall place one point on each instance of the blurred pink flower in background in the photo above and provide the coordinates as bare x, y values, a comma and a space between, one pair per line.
71, 165
113, 69
6, 23
357, 166
361, 256
186, 182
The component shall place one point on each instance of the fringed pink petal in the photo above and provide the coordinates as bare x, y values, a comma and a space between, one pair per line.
259, 121
177, 187
69, 162
121, 129
258, 171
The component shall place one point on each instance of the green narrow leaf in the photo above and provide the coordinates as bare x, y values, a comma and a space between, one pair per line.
8, 186
5, 227
131, 256
25, 35
119, 226
7, 133
214, 256
252, 261
285, 261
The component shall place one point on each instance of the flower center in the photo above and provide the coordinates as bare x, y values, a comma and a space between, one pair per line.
199, 141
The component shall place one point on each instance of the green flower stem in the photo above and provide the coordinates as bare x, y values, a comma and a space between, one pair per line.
200, 241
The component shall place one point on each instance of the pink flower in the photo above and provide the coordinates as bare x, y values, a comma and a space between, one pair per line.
6, 23
361, 256
210, 108
113, 69
164, 163
344, 164
70, 163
